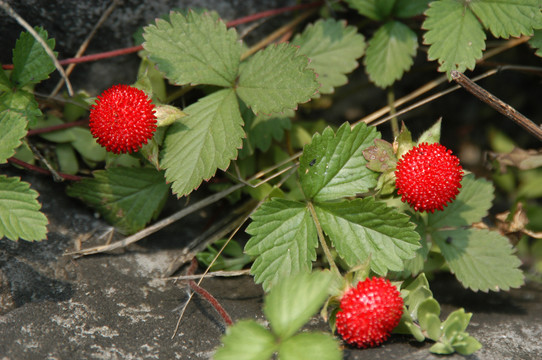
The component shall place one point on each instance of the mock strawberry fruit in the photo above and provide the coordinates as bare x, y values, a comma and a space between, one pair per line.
369, 312
123, 119
428, 177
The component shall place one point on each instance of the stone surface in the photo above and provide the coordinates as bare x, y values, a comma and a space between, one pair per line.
116, 306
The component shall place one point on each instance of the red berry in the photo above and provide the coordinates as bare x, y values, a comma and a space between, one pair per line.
369, 312
428, 176
123, 119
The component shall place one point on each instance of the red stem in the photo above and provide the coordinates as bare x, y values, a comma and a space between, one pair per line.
41, 170
56, 127
207, 295
133, 49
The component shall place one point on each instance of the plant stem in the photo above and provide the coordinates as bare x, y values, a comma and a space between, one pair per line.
393, 111
42, 170
322, 239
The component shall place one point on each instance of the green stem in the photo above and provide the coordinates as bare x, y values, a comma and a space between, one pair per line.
323, 240
393, 111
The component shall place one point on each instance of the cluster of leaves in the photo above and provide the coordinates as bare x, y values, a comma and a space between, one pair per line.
422, 319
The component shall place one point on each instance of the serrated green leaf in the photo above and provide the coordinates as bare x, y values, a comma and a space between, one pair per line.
127, 197
246, 340
12, 130
21, 102
294, 300
480, 259
363, 227
333, 165
332, 48
202, 142
508, 18
31, 64
390, 53
20, 215
309, 346
409, 8
470, 206
276, 79
194, 49
5, 84
455, 35
373, 9
536, 42
284, 239
262, 129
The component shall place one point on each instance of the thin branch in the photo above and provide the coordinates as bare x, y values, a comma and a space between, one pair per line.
218, 273
85, 43
7, 8
273, 12
496, 103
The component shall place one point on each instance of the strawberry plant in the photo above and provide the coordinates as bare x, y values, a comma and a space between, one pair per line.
335, 197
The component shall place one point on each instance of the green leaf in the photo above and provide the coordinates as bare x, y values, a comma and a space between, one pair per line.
390, 53
536, 42
127, 197
363, 227
294, 300
12, 130
284, 239
333, 165
431, 324
480, 259
246, 340
409, 8
373, 9
262, 129
508, 18
20, 215
470, 206
309, 346
67, 160
194, 49
455, 35
31, 64
441, 348
431, 135
5, 84
469, 346
276, 79
21, 102
87, 146
333, 49
205, 140
380, 156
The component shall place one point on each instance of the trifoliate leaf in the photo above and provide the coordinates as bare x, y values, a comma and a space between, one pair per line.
202, 142
480, 259
309, 346
276, 79
508, 18
194, 49
455, 35
409, 8
20, 215
246, 340
31, 64
390, 53
333, 165
363, 227
332, 48
5, 84
284, 239
126, 197
294, 300
536, 42
21, 102
262, 129
12, 130
470, 206
374, 9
